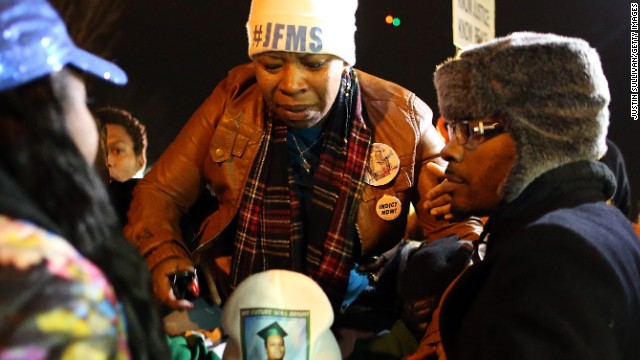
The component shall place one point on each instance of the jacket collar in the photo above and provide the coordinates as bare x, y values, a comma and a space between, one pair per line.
565, 186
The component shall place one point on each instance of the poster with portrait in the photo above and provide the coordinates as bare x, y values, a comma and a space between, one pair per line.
274, 334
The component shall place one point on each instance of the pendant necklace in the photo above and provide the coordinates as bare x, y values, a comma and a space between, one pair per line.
305, 164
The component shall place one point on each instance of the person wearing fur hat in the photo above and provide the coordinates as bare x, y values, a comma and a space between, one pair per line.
527, 116
284, 144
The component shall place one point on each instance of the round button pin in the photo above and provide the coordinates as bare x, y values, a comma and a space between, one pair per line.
388, 207
383, 166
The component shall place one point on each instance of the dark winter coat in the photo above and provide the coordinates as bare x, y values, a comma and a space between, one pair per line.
560, 280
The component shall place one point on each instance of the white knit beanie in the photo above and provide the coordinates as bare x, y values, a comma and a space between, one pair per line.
549, 90
303, 26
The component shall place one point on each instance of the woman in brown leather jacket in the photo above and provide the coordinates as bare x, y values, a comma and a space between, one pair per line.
286, 144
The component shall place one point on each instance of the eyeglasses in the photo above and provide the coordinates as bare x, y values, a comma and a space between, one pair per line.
472, 133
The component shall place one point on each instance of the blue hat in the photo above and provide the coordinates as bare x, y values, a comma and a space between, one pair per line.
34, 42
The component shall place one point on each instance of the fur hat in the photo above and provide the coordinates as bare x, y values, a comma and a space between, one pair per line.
549, 90
303, 26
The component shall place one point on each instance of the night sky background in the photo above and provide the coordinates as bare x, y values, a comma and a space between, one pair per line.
176, 51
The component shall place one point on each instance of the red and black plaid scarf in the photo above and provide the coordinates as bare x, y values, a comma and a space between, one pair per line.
270, 231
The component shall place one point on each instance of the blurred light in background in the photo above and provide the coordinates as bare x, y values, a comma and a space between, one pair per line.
389, 19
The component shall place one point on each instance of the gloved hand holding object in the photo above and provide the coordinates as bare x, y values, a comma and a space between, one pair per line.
425, 275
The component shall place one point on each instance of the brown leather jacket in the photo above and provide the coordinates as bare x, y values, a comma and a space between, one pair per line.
219, 143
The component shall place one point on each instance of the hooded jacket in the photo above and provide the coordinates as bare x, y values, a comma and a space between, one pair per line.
218, 145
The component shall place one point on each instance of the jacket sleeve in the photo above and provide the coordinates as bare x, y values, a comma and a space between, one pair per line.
551, 296
173, 185
428, 150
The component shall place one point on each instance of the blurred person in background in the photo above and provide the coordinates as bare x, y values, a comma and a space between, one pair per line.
126, 143
125, 149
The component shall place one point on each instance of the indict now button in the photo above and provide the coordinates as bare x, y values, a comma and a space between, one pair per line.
388, 207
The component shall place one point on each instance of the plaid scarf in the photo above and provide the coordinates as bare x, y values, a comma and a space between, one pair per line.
270, 231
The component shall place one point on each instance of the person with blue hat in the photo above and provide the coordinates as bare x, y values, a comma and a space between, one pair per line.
65, 269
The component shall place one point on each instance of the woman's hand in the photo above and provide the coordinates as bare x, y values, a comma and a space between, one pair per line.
161, 274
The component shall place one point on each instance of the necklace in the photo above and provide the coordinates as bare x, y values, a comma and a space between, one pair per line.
305, 164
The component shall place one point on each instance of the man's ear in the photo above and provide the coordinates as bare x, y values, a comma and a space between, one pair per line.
141, 161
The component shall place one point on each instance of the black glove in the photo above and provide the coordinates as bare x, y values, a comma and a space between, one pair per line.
427, 272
